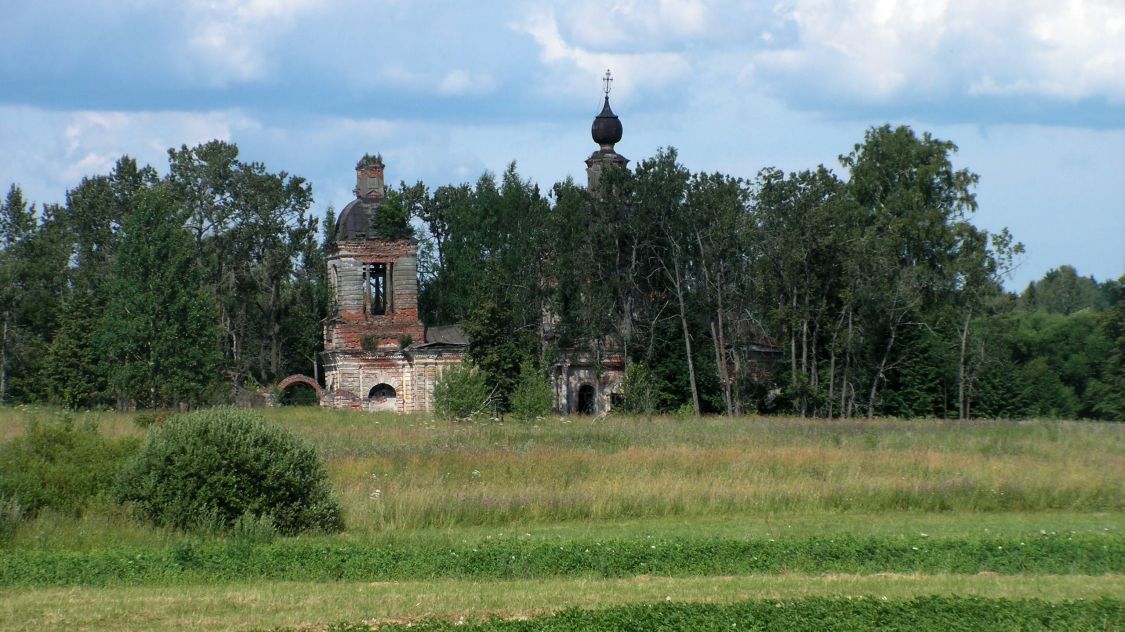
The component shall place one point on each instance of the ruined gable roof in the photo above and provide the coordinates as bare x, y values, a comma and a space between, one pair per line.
445, 335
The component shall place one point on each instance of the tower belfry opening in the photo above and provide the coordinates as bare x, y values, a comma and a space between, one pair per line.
378, 291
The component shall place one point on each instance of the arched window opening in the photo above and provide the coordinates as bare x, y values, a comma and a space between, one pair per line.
381, 392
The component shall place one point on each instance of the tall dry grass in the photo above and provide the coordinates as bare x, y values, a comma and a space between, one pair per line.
401, 473
394, 473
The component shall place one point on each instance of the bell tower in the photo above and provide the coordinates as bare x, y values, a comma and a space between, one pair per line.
373, 276
606, 132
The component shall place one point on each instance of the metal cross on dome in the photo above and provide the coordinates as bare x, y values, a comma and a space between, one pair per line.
607, 79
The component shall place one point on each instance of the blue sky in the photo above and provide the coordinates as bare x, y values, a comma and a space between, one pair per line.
1033, 93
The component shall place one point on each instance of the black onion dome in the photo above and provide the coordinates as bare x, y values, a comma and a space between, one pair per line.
355, 220
606, 129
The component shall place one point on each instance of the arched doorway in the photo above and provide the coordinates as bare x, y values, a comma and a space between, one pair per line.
298, 394
299, 389
382, 397
585, 400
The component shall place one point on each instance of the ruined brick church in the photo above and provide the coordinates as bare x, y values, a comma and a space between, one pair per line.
379, 356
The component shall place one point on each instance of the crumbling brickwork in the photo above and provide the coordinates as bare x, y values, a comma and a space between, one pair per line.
354, 379
376, 356
354, 325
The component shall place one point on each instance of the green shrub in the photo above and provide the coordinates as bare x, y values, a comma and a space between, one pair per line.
250, 529
60, 464
638, 393
11, 513
223, 464
533, 396
462, 393
392, 219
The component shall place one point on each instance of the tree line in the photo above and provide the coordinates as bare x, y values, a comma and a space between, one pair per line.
139, 290
802, 293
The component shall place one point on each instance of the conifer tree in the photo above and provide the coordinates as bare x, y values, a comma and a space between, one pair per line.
158, 330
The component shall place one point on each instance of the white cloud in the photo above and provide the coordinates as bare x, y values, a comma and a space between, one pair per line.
874, 51
89, 164
632, 23
71, 145
643, 69
1079, 50
230, 38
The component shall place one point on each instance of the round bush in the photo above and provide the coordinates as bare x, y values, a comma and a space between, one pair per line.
461, 392
209, 468
533, 396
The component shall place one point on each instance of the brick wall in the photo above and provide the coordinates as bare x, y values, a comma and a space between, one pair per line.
353, 321
351, 376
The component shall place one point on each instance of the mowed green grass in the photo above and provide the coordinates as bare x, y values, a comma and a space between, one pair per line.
894, 508
266, 605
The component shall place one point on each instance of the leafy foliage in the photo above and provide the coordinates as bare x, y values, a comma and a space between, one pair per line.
392, 219
638, 394
75, 376
11, 515
158, 332
59, 464
462, 392
210, 468
533, 396
1062, 291
805, 292
1107, 393
33, 259
496, 348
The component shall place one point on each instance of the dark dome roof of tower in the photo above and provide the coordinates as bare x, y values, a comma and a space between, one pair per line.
606, 129
355, 220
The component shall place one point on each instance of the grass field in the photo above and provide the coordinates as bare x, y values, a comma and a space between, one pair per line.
519, 520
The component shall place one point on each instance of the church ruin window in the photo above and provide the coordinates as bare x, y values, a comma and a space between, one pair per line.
378, 288
381, 392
